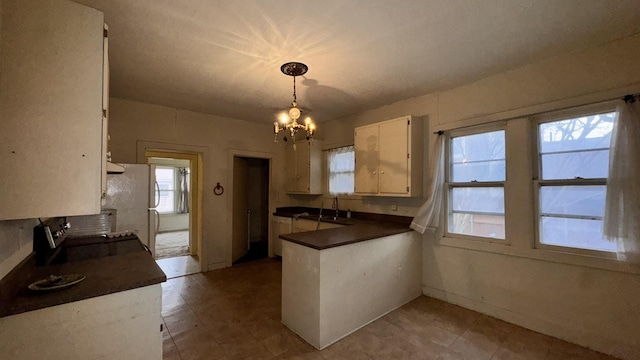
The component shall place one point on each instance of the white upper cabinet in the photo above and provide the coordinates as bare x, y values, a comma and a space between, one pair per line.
304, 168
389, 158
51, 109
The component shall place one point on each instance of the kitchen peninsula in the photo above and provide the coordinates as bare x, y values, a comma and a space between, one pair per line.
335, 281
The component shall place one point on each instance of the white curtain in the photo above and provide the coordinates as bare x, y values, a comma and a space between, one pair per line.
428, 217
183, 191
622, 207
341, 170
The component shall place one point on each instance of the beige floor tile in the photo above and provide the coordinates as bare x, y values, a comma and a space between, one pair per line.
436, 335
475, 345
248, 349
235, 314
281, 341
300, 352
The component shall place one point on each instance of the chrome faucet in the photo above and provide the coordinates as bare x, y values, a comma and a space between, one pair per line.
335, 206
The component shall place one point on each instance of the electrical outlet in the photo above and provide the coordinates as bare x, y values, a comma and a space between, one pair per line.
394, 206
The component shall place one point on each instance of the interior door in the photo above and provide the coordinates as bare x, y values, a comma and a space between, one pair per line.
240, 241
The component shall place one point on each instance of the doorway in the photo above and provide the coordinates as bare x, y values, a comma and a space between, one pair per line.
250, 238
177, 244
172, 206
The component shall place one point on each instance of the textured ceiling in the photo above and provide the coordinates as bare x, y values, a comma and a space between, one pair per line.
224, 57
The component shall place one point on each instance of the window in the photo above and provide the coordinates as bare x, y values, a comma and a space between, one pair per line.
573, 161
475, 183
166, 180
341, 163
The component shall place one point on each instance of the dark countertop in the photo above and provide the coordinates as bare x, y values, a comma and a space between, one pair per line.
104, 275
360, 227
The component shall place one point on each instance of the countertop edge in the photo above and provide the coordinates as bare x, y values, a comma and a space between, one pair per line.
351, 234
100, 280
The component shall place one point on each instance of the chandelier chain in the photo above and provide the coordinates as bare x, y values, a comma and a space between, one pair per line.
294, 90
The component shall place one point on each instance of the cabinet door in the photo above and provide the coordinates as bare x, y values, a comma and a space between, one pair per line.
105, 113
51, 101
366, 147
302, 167
279, 225
394, 161
290, 170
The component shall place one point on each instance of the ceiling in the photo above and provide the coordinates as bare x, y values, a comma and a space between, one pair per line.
223, 57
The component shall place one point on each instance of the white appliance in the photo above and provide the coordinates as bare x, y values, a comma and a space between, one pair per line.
132, 194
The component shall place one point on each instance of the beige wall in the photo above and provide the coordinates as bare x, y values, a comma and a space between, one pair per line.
132, 122
574, 298
594, 307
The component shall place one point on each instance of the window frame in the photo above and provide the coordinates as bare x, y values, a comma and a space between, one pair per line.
449, 185
538, 182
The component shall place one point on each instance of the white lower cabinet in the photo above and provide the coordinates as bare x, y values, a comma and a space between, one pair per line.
279, 225
122, 325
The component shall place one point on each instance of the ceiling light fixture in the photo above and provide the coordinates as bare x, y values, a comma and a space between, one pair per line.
289, 120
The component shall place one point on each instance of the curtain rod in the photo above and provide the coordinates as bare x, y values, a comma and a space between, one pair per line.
629, 98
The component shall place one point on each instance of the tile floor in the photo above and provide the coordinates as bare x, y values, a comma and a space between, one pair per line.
235, 314
179, 266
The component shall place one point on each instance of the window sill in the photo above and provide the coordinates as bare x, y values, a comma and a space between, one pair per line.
541, 255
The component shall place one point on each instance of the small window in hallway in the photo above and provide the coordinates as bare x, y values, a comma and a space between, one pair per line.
173, 189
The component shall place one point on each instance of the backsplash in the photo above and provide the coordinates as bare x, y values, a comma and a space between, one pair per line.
16, 243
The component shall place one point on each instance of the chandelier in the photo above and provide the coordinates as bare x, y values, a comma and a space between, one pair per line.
289, 119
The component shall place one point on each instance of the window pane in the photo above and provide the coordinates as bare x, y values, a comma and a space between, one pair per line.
167, 201
576, 147
478, 199
586, 164
477, 225
477, 211
573, 200
586, 132
577, 233
341, 163
165, 178
479, 157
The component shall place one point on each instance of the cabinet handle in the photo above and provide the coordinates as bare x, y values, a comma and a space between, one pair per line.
381, 172
374, 172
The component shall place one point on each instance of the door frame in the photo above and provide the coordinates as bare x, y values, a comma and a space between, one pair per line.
195, 156
231, 153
